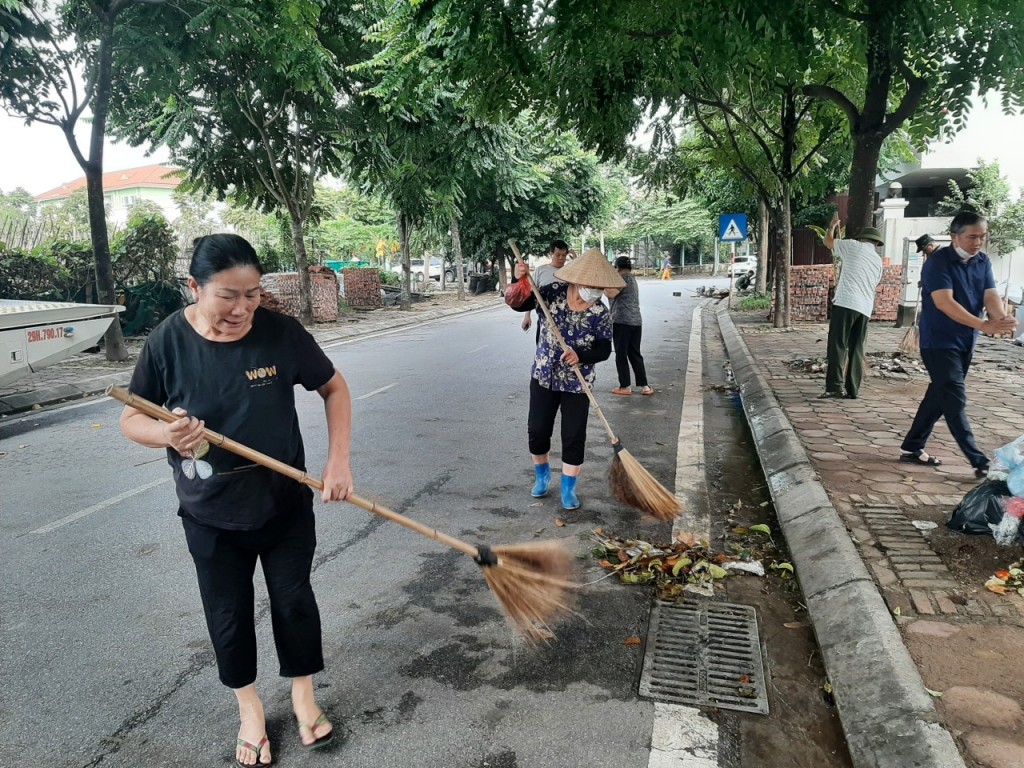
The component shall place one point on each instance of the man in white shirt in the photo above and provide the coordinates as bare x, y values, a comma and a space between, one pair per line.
859, 274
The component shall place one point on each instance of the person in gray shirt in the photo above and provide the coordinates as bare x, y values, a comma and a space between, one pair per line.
626, 330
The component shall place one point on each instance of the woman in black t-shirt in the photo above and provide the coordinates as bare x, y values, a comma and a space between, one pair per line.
226, 362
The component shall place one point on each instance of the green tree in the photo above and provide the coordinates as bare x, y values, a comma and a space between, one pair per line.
250, 97
57, 61
68, 218
885, 64
989, 193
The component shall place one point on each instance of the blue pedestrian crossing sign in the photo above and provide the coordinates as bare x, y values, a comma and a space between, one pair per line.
732, 227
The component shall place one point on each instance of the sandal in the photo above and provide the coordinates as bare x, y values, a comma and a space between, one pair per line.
647, 391
324, 740
622, 391
920, 457
257, 748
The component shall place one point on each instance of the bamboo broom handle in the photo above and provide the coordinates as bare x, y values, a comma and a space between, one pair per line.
565, 347
157, 412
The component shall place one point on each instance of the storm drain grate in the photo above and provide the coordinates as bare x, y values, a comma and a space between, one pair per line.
705, 654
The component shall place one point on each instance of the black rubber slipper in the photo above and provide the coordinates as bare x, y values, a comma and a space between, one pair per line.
915, 458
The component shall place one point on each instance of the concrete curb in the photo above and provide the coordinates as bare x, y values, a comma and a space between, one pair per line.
887, 715
61, 392
20, 402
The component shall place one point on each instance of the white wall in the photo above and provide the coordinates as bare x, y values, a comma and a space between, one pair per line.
900, 235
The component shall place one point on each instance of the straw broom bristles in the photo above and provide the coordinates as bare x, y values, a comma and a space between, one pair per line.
532, 582
633, 485
911, 341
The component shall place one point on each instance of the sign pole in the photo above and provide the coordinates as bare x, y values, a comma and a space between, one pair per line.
732, 273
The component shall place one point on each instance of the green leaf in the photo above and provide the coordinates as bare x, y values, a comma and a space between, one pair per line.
717, 572
681, 563
761, 528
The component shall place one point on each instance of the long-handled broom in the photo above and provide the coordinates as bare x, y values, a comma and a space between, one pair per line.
630, 483
532, 582
912, 338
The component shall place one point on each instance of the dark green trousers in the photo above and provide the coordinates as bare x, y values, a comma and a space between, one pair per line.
847, 330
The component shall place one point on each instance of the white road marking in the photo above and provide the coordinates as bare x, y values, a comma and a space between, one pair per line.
691, 485
485, 346
97, 507
377, 391
682, 736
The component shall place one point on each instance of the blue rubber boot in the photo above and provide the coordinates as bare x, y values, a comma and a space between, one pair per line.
540, 488
569, 498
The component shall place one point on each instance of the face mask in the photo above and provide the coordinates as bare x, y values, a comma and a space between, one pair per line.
591, 294
964, 255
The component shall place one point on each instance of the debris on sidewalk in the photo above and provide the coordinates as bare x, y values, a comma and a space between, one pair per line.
1011, 579
996, 507
808, 365
887, 365
894, 365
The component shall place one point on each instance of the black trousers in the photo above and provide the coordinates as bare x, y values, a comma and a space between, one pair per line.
626, 341
847, 330
544, 406
946, 397
225, 563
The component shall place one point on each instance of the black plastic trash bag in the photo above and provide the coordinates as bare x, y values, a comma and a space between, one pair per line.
980, 508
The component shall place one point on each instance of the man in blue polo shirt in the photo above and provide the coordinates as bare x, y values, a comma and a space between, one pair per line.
957, 286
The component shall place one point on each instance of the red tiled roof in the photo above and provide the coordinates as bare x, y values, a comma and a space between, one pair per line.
163, 176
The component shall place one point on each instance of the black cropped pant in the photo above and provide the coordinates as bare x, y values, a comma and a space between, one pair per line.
626, 340
225, 563
544, 406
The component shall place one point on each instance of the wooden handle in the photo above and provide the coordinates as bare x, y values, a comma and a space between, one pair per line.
160, 413
565, 348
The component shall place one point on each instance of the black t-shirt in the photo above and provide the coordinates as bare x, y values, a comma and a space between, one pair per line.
244, 390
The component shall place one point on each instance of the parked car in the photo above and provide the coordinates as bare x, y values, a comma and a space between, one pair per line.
742, 265
436, 267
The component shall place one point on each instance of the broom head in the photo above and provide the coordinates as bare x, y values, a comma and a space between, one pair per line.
533, 583
911, 341
633, 485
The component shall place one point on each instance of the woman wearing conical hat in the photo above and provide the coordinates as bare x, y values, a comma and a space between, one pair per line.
585, 324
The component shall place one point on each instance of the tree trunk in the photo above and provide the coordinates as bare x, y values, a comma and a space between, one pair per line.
787, 251
302, 265
499, 262
457, 257
405, 300
762, 245
781, 256
861, 209
113, 339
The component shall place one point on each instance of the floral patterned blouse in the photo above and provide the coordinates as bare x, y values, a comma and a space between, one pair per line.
579, 329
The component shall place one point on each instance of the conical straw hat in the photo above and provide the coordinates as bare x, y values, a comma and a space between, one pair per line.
591, 269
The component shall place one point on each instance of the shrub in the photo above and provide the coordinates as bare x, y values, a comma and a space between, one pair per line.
754, 301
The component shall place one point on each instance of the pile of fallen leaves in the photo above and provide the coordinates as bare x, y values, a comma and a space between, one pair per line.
808, 365
686, 564
894, 365
1012, 579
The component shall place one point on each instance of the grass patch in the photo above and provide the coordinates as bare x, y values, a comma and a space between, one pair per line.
754, 301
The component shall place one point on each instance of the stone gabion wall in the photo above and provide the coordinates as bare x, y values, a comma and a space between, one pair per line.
281, 292
362, 286
813, 288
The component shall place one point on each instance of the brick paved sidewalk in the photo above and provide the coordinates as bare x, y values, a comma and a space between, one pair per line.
967, 642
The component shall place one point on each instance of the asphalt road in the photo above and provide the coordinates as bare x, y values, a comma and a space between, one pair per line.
104, 654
